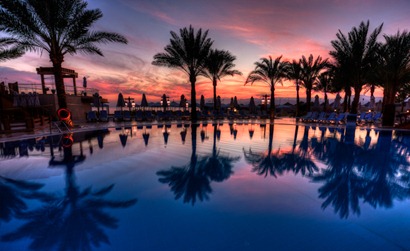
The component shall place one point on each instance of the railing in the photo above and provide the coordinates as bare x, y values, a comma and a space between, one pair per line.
50, 88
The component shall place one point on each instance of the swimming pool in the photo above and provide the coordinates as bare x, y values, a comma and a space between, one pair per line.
212, 187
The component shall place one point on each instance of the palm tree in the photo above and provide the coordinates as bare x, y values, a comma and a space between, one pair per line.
311, 70
324, 83
188, 52
271, 72
218, 65
356, 53
295, 73
394, 71
59, 27
9, 49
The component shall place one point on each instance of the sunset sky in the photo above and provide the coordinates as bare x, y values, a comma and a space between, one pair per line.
248, 29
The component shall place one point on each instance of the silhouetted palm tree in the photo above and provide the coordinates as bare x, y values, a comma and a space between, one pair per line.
267, 162
324, 83
311, 69
188, 52
270, 72
57, 27
218, 65
295, 73
394, 71
9, 49
357, 54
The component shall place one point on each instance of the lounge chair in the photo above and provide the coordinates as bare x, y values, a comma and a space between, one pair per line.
148, 116
377, 117
340, 118
307, 117
321, 117
331, 117
361, 118
118, 116
139, 116
91, 116
126, 116
103, 116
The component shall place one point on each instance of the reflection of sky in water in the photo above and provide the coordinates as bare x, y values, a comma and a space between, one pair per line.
239, 210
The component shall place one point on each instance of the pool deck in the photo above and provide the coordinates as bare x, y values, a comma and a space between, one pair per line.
91, 126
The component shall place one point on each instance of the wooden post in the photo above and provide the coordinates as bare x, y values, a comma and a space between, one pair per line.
43, 85
75, 86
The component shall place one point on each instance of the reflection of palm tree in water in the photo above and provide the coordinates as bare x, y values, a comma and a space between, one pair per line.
385, 170
218, 167
73, 222
267, 162
343, 184
192, 181
377, 174
12, 195
300, 159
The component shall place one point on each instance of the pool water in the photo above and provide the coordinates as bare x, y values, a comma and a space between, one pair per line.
207, 187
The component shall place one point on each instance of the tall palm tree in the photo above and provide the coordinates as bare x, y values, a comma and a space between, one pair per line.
295, 73
218, 65
394, 71
59, 27
357, 54
188, 52
324, 84
270, 72
9, 49
311, 69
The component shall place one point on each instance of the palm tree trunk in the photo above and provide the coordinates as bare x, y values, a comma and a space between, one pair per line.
297, 100
272, 102
356, 100
325, 104
389, 108
192, 79
214, 84
308, 98
59, 82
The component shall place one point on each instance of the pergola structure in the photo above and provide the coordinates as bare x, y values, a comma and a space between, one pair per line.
67, 73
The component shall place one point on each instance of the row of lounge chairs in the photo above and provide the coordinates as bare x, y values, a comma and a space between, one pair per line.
139, 115
334, 118
93, 117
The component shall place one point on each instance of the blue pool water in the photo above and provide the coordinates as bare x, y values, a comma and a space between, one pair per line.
211, 187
